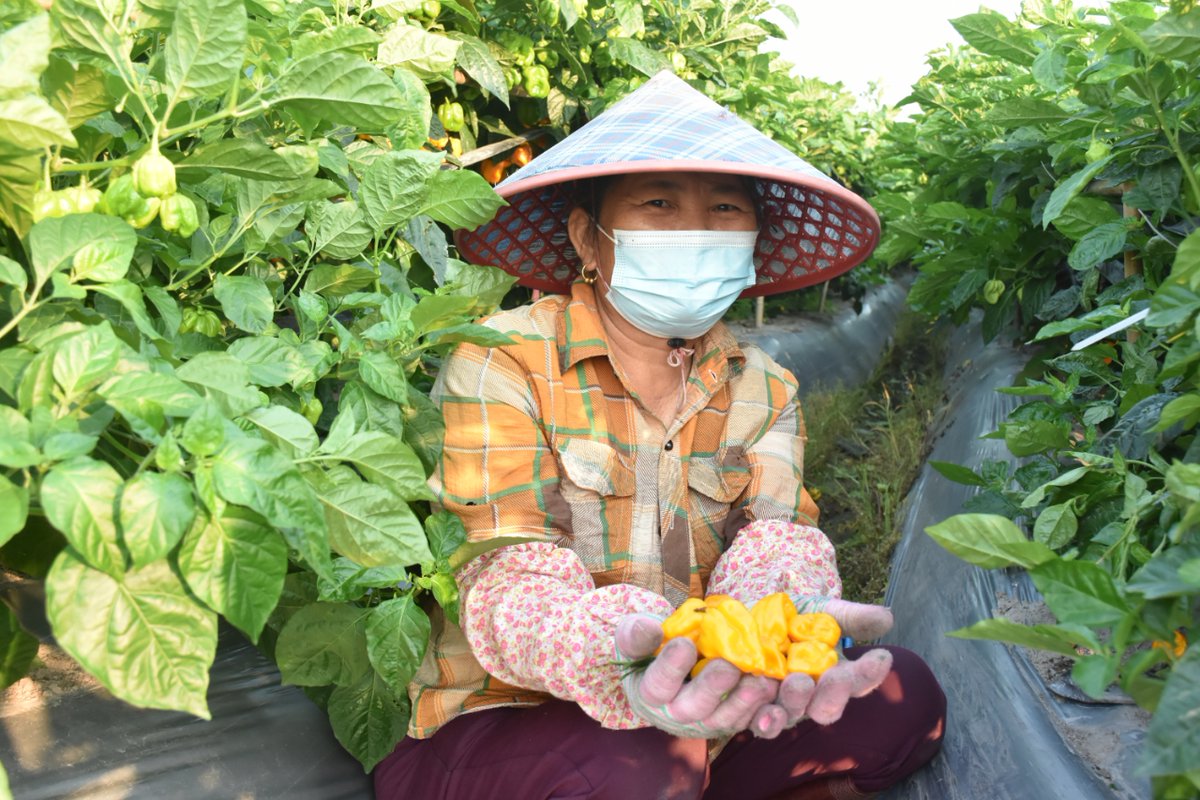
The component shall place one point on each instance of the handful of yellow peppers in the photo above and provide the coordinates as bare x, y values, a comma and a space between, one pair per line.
771, 639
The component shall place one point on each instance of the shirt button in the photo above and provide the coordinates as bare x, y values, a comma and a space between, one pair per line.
669, 446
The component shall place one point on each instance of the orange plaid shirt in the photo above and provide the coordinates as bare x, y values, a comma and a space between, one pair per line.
543, 439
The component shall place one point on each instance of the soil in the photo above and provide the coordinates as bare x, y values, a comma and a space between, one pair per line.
55, 677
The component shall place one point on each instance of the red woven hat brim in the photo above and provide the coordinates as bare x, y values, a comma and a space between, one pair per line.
811, 228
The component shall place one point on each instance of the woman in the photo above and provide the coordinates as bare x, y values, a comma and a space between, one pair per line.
645, 457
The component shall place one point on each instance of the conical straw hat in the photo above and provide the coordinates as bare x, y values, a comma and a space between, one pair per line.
811, 227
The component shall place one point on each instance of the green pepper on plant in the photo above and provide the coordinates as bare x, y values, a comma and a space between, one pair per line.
154, 175
537, 81
178, 213
451, 116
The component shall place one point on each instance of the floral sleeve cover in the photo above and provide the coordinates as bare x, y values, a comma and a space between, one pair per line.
769, 556
535, 619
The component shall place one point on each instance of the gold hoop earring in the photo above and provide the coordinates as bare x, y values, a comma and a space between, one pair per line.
589, 278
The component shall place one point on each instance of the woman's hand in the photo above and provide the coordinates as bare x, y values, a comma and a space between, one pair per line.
824, 701
720, 701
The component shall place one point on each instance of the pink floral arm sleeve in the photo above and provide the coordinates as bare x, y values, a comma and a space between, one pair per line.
769, 556
535, 619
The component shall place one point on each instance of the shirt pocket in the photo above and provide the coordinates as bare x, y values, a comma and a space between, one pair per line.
592, 470
711, 481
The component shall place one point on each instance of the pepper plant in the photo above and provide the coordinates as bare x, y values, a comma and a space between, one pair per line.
223, 290
1053, 181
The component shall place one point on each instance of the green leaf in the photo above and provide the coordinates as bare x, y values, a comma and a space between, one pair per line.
1056, 526
89, 25
1175, 36
637, 55
324, 643
394, 187
445, 592
471, 550
105, 260
338, 280
1066, 479
429, 55
470, 332
1017, 112
397, 635
341, 89
205, 49
350, 581
270, 361
1079, 592
371, 526
242, 158
1066, 190
353, 39
339, 230
380, 371
1033, 436
461, 199
476, 60
146, 399
54, 242
1097, 245
1084, 213
1173, 738
17, 648
1050, 68
224, 380
24, 56
13, 274
1095, 673
1040, 637
236, 565
246, 301
287, 430
252, 473
156, 510
77, 91
204, 432
31, 121
1098, 318
84, 360
988, 541
445, 533
385, 460
368, 718
992, 34
129, 295
958, 473
79, 498
142, 636
1173, 304
1161, 576
14, 509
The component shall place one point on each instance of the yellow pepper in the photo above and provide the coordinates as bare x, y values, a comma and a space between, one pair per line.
729, 632
700, 665
775, 665
685, 621
772, 614
811, 657
716, 599
818, 627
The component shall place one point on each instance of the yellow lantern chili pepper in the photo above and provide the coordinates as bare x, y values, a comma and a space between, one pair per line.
772, 614
685, 621
729, 632
818, 627
775, 664
811, 657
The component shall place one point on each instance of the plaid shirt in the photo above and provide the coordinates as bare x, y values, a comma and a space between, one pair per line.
544, 440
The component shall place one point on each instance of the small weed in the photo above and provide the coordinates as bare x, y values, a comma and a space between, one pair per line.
865, 448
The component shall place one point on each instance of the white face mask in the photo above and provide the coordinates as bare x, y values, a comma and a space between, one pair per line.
678, 284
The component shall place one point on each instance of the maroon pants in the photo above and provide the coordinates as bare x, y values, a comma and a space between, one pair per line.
556, 751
